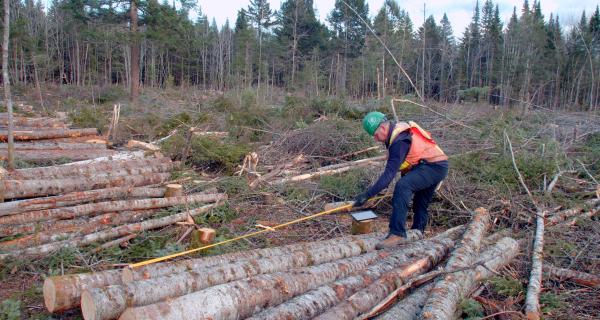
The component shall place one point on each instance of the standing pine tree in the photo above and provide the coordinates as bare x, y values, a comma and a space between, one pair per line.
260, 14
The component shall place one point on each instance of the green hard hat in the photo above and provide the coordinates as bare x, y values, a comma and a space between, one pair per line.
372, 121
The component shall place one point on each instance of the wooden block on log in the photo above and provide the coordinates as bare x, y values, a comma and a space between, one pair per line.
174, 190
207, 235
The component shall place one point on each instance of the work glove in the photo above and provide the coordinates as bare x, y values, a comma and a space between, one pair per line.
360, 200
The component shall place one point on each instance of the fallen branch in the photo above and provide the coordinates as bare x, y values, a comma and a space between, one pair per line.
582, 278
532, 299
117, 242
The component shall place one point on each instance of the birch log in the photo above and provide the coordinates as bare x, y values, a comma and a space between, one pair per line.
64, 292
109, 302
456, 286
315, 302
36, 188
532, 299
70, 229
104, 235
74, 198
54, 145
48, 134
55, 154
471, 241
64, 171
582, 278
108, 206
410, 307
365, 299
239, 299
367, 242
67, 289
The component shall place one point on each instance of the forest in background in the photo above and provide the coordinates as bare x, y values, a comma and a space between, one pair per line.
533, 60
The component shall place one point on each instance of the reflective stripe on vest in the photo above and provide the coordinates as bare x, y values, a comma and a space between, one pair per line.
422, 147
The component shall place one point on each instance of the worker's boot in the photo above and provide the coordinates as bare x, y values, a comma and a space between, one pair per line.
390, 241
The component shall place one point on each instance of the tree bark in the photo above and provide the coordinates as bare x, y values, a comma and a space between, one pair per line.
315, 302
469, 246
456, 286
532, 299
112, 233
68, 229
6, 81
365, 299
125, 167
367, 242
33, 122
239, 299
111, 301
582, 278
30, 146
410, 307
37, 188
55, 154
48, 134
109, 206
74, 198
135, 54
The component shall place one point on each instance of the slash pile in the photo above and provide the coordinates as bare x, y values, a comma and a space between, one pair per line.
341, 278
83, 203
43, 139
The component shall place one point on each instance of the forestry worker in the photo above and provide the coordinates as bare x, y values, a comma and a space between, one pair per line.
422, 163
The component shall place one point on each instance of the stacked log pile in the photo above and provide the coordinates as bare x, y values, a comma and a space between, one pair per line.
42, 139
331, 279
84, 203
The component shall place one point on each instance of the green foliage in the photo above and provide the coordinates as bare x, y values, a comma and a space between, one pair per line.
507, 287
560, 248
471, 309
173, 147
550, 301
347, 185
110, 94
247, 124
293, 193
88, 117
223, 104
219, 215
233, 185
10, 309
591, 151
213, 153
175, 121
335, 106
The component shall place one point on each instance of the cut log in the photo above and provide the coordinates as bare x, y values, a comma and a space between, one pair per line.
207, 235
86, 170
367, 242
55, 154
64, 292
123, 242
34, 122
582, 278
48, 134
239, 299
69, 229
331, 170
134, 144
315, 302
449, 291
109, 206
563, 215
410, 307
14, 189
365, 299
54, 145
104, 235
82, 139
121, 156
468, 248
532, 299
111, 301
73, 198
174, 190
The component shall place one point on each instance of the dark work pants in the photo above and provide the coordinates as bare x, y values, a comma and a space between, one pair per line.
421, 182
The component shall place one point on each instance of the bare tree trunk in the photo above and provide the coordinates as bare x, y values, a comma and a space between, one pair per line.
135, 55
532, 299
6, 81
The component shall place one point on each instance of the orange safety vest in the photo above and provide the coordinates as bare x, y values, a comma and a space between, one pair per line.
422, 147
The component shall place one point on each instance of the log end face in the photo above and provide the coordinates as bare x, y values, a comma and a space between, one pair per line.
533, 315
88, 308
49, 290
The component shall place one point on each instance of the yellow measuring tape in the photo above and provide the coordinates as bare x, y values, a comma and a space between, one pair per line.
179, 254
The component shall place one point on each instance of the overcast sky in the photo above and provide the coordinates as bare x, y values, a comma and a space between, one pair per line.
459, 11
